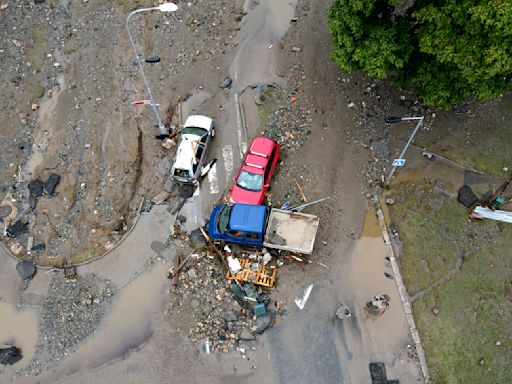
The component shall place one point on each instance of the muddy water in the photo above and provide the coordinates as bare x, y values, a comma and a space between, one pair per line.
43, 132
258, 42
19, 328
127, 326
376, 338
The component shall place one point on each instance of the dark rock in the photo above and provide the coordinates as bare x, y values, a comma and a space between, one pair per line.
152, 59
36, 188
226, 83
197, 240
38, 247
229, 316
32, 201
51, 183
466, 196
39, 1
185, 190
26, 269
17, 229
9, 355
182, 219
264, 298
263, 323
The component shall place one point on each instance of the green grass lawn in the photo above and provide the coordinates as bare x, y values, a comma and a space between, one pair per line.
474, 306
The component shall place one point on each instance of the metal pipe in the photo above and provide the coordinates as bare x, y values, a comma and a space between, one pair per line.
163, 131
420, 120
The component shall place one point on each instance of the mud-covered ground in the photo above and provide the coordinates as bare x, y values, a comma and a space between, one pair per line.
68, 77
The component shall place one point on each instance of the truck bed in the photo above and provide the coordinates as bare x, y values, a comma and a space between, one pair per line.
291, 231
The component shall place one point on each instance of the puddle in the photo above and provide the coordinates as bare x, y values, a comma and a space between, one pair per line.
127, 326
43, 132
371, 226
19, 328
258, 42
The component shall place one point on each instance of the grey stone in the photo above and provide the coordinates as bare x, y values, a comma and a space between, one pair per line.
226, 83
262, 323
229, 316
235, 306
194, 303
9, 355
51, 183
26, 269
36, 188
17, 229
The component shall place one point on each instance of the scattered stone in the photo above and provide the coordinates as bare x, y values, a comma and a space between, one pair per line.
466, 196
191, 273
9, 354
229, 316
296, 49
435, 311
168, 143
266, 258
5, 210
38, 247
181, 218
160, 198
197, 240
263, 323
226, 83
390, 201
26, 269
236, 307
194, 303
17, 229
16, 249
36, 188
51, 183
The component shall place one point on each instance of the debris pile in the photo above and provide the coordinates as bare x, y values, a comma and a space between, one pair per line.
222, 311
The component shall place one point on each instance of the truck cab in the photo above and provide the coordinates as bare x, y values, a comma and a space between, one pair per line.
239, 223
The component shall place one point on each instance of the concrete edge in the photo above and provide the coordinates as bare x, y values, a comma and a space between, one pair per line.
404, 297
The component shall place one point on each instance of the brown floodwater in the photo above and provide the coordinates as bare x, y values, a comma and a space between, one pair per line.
19, 328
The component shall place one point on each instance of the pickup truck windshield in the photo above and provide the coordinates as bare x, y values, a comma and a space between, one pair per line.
194, 131
224, 219
250, 181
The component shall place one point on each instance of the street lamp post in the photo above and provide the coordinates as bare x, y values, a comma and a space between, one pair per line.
166, 7
396, 119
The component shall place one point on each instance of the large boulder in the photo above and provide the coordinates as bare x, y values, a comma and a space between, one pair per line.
26, 269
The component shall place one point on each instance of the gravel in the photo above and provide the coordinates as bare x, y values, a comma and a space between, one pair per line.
71, 312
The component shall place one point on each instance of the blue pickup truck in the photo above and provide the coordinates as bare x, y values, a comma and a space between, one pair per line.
261, 226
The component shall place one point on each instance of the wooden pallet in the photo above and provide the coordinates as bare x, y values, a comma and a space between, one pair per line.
265, 276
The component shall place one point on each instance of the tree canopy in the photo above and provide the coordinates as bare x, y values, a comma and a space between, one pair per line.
449, 50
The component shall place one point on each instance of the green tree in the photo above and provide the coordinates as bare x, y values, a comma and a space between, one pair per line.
450, 50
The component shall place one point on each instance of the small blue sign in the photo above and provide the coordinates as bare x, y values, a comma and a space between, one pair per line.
398, 162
